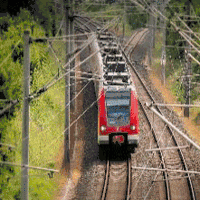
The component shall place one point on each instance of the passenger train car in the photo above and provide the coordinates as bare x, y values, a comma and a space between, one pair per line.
118, 121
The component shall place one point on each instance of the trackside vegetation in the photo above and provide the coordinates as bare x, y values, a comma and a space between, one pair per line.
176, 58
46, 112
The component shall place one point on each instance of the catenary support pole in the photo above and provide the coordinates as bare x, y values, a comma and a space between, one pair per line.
163, 58
67, 91
154, 24
151, 22
187, 71
25, 124
72, 88
124, 23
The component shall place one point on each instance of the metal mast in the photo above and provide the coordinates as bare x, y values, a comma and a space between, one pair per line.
67, 88
71, 39
163, 56
188, 70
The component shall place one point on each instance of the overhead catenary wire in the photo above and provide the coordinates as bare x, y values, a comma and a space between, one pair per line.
89, 21
178, 47
10, 53
99, 23
177, 105
191, 56
43, 89
7, 145
89, 79
186, 170
165, 170
195, 83
190, 31
111, 22
189, 38
53, 51
159, 139
188, 27
74, 40
71, 124
61, 111
12, 103
28, 166
61, 37
161, 27
106, 11
172, 23
61, 24
195, 75
172, 126
6, 100
56, 78
145, 165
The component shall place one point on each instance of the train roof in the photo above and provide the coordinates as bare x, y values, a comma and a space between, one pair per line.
116, 75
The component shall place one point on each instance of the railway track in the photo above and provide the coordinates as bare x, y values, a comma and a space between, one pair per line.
115, 176
117, 179
171, 159
85, 24
136, 37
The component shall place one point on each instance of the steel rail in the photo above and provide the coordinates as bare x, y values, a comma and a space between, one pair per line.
94, 22
128, 192
153, 131
87, 23
106, 180
183, 160
132, 37
163, 164
82, 25
143, 35
91, 22
184, 164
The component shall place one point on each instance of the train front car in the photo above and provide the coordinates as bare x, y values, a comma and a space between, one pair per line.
118, 122
118, 117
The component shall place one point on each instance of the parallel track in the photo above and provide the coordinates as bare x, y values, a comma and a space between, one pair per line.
150, 98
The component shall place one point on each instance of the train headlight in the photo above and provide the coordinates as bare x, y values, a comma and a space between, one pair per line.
132, 127
103, 128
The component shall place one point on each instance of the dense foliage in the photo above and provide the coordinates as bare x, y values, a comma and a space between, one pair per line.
43, 127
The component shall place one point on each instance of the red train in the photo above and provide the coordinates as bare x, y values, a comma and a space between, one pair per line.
118, 116
118, 121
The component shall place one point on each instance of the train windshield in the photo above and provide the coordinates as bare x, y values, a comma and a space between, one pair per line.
118, 107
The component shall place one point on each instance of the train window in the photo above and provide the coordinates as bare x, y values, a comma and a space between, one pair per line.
118, 108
